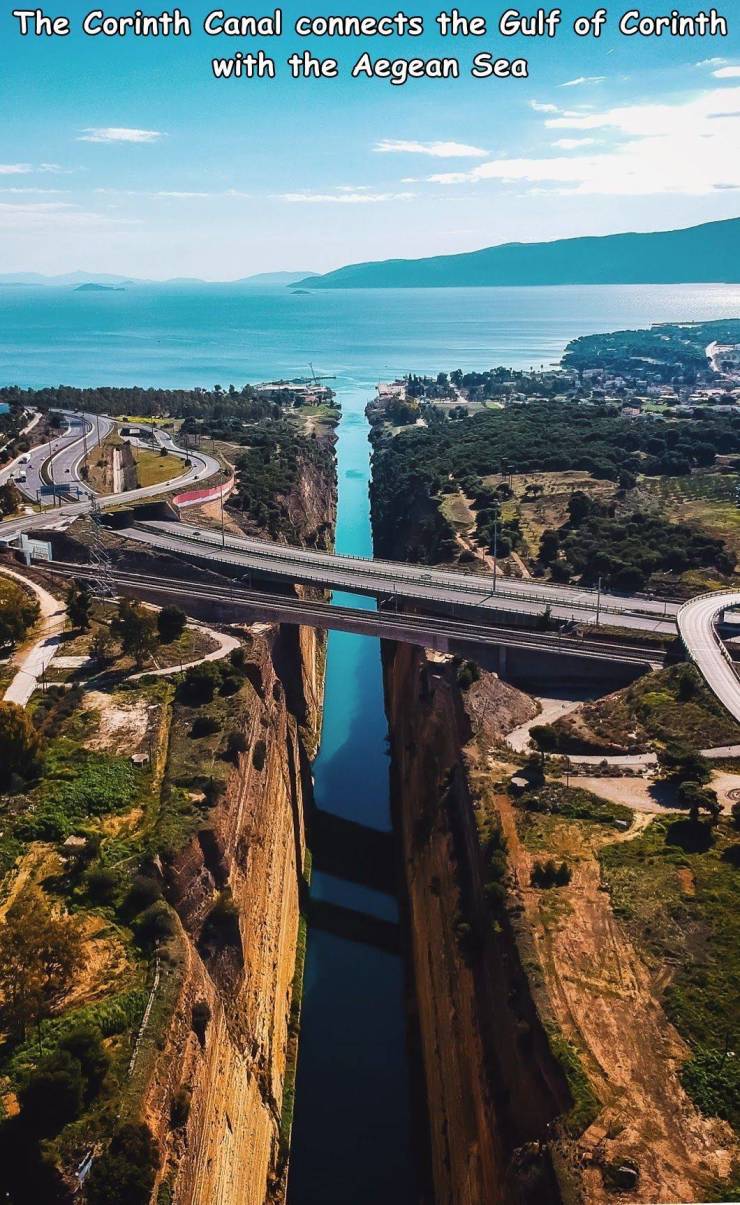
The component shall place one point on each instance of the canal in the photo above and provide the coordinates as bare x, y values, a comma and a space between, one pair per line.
351, 1132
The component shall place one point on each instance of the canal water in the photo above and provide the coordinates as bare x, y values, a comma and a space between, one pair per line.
351, 1135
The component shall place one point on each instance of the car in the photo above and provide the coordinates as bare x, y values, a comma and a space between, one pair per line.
426, 577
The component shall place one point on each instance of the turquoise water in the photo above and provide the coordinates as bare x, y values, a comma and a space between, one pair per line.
351, 1136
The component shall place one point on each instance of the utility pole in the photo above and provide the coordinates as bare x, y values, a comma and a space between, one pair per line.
495, 550
223, 533
598, 603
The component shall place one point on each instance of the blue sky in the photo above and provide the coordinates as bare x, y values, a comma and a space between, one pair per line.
126, 155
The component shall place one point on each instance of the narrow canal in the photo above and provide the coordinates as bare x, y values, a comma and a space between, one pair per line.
351, 1132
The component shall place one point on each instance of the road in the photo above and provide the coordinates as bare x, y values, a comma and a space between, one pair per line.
388, 579
58, 460
696, 623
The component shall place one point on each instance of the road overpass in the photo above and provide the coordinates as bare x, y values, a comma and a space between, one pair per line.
390, 580
428, 631
697, 623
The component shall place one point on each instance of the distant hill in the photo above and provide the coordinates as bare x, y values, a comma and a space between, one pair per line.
276, 278
707, 253
68, 278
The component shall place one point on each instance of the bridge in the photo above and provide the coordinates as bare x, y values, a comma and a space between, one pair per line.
228, 601
393, 581
697, 623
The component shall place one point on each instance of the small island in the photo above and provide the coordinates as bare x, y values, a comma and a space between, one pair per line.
95, 288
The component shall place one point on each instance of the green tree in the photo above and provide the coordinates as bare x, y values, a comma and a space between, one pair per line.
10, 499
79, 604
40, 951
136, 630
171, 623
19, 744
680, 763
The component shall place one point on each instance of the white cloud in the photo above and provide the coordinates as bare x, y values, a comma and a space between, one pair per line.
171, 193
15, 169
583, 79
39, 192
542, 108
727, 73
343, 198
118, 134
570, 144
50, 218
438, 150
716, 62
677, 148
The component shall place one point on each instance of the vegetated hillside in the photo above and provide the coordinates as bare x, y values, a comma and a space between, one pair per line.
671, 705
415, 468
672, 349
709, 252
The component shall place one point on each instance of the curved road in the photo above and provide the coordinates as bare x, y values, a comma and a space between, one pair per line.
696, 623
67, 454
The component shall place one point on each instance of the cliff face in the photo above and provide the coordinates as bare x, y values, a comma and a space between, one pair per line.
491, 1086
231, 1069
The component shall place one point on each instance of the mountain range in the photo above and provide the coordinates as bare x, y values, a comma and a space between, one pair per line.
706, 253
709, 253
103, 279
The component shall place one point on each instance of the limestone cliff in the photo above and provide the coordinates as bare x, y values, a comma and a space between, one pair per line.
492, 1087
246, 868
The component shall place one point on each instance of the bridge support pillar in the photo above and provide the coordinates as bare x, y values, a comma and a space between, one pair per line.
502, 659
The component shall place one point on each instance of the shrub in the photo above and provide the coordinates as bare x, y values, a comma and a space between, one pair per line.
199, 684
143, 892
85, 1043
548, 874
201, 1016
238, 658
204, 725
52, 1094
235, 745
180, 1107
125, 1173
101, 883
230, 685
467, 674
156, 924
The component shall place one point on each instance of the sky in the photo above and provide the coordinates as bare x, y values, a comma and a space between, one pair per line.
126, 155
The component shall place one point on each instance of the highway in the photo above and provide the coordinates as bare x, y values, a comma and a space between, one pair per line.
696, 623
58, 460
389, 580
69, 455
425, 630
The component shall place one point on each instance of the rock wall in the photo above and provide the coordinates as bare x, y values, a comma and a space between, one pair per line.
253, 848
491, 1086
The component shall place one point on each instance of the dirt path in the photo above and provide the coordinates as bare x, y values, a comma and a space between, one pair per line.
551, 709
33, 661
604, 999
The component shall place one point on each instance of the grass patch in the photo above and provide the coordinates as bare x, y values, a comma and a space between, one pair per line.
152, 469
77, 785
681, 908
585, 1107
